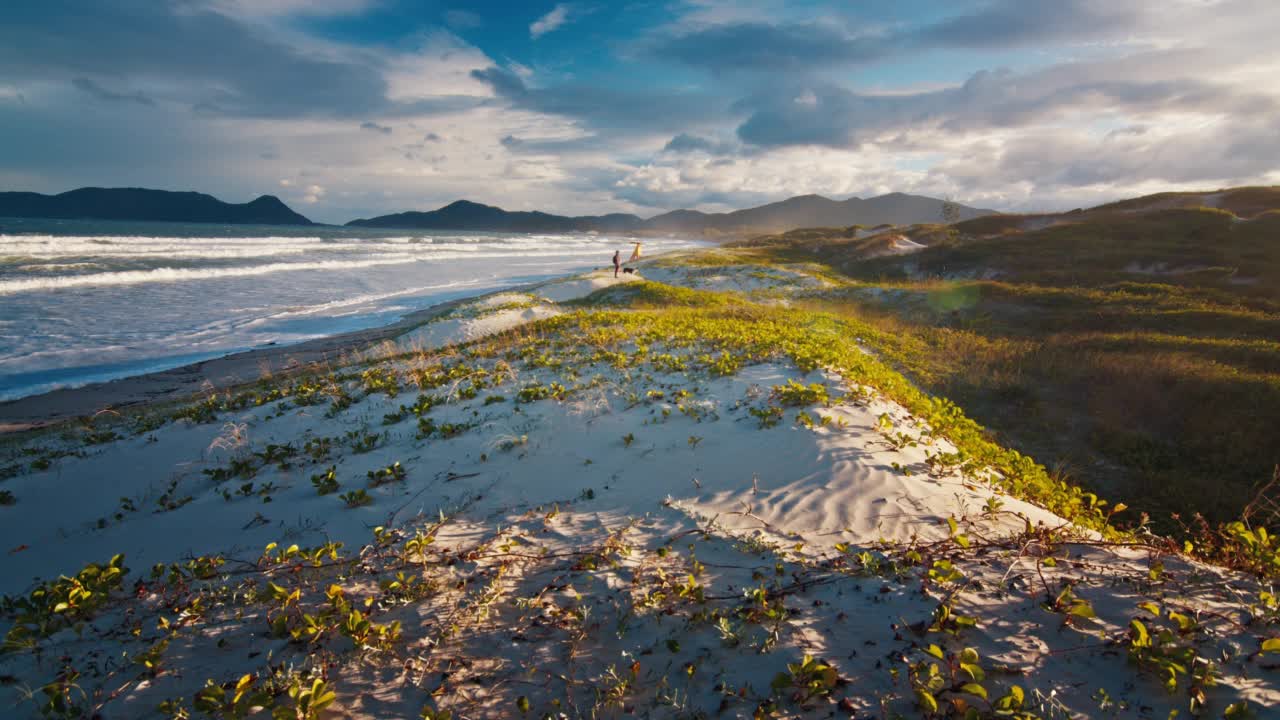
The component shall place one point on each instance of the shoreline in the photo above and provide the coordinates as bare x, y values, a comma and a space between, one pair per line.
42, 410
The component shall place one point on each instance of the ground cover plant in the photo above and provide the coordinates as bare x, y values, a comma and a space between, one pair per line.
684, 503
1136, 354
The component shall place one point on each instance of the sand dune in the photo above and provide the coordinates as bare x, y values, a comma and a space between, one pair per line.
595, 536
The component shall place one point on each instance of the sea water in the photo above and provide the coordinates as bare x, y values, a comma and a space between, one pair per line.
86, 301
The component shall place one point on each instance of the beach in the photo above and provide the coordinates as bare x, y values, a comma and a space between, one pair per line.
645, 495
92, 301
219, 373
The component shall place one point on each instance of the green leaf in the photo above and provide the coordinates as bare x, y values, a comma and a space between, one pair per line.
935, 651
974, 689
1013, 700
928, 703
1185, 624
1271, 645
1138, 633
1083, 609
522, 703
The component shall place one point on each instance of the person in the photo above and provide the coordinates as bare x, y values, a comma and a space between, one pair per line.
636, 254
617, 262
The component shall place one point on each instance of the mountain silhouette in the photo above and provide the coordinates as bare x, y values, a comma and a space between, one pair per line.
143, 204
466, 215
796, 212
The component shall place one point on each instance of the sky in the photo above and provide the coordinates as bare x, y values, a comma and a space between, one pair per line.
354, 108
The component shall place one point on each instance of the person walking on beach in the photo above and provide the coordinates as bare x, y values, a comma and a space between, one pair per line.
617, 262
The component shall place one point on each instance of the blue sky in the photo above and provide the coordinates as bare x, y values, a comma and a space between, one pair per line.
349, 108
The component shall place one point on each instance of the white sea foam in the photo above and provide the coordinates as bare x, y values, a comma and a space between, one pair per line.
75, 308
329, 307
166, 274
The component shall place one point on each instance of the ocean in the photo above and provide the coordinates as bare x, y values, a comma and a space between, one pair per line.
86, 301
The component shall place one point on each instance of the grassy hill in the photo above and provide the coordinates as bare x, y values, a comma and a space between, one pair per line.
1135, 346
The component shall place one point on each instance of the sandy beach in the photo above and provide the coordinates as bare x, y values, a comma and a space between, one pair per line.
648, 495
216, 374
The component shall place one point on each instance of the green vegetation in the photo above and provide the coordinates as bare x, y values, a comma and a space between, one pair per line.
1148, 390
1135, 353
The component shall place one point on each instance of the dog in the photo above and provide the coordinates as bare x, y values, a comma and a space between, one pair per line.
628, 271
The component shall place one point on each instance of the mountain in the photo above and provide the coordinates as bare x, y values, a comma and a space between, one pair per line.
143, 204
466, 215
817, 211
1135, 339
796, 212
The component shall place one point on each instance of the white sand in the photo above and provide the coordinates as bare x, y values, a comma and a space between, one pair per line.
553, 479
897, 245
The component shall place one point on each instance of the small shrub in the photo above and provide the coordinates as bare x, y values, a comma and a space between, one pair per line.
798, 394
326, 482
389, 474
362, 442
355, 498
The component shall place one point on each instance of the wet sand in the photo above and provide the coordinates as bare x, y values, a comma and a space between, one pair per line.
55, 406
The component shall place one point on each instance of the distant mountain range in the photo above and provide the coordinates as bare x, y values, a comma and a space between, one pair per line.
467, 215
142, 204
796, 212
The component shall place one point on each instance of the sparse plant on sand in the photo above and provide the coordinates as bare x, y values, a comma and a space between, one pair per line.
355, 498
389, 474
327, 481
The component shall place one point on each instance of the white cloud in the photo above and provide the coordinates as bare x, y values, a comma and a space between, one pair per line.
277, 8
549, 22
441, 66
1197, 77
314, 193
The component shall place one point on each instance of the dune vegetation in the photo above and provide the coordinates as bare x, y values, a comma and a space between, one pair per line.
1137, 354
789, 479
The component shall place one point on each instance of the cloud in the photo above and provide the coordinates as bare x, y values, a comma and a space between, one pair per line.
86, 85
275, 8
758, 46
1011, 23
831, 115
1183, 154
439, 66
613, 109
711, 103
686, 143
199, 56
504, 83
313, 194
549, 22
